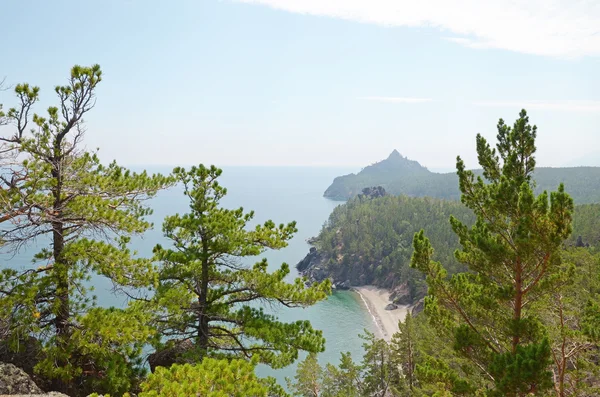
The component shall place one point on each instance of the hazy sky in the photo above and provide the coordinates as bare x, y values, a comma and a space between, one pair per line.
316, 82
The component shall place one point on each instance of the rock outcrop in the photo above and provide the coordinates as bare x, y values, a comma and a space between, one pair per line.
418, 307
317, 267
345, 285
310, 261
14, 380
400, 295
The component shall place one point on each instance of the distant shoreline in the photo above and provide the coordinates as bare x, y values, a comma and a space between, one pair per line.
375, 300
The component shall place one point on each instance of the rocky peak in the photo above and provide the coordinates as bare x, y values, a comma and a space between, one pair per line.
395, 155
397, 163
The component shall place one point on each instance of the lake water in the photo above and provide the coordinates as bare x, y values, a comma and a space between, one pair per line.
282, 194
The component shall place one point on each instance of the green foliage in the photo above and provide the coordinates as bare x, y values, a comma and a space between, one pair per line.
398, 175
54, 192
434, 361
369, 241
205, 293
209, 378
513, 256
571, 317
378, 375
586, 219
381, 372
344, 380
523, 372
309, 378
312, 380
439, 369
404, 347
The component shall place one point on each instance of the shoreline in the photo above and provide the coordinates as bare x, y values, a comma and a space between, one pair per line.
386, 321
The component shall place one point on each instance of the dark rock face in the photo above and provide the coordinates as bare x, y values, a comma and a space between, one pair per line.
418, 307
14, 380
391, 306
313, 267
311, 260
317, 267
344, 285
401, 295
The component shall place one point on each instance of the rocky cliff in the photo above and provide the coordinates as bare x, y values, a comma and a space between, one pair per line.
317, 266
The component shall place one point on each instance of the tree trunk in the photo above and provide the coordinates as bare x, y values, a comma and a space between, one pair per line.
203, 319
518, 305
410, 357
61, 279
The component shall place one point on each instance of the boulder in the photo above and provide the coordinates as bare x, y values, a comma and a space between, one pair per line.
333, 284
14, 380
391, 306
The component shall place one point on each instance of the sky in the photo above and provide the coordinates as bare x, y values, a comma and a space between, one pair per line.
316, 82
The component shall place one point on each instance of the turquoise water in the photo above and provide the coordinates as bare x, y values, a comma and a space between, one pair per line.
282, 194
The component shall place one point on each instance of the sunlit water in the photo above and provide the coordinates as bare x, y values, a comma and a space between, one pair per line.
281, 194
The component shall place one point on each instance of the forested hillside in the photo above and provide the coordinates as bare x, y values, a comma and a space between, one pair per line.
421, 359
399, 175
369, 240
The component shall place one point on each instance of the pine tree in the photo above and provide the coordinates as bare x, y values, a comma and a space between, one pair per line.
344, 380
209, 300
513, 256
210, 378
308, 379
572, 318
55, 193
404, 348
381, 373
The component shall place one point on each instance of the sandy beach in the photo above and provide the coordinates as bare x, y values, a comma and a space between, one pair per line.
376, 299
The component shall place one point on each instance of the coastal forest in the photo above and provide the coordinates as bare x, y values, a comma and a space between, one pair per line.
368, 241
501, 269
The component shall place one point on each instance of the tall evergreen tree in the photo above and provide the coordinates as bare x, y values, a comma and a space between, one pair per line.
344, 380
381, 372
209, 300
56, 194
404, 347
513, 256
308, 379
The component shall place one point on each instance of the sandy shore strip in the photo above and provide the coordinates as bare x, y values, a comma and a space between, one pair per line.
376, 299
